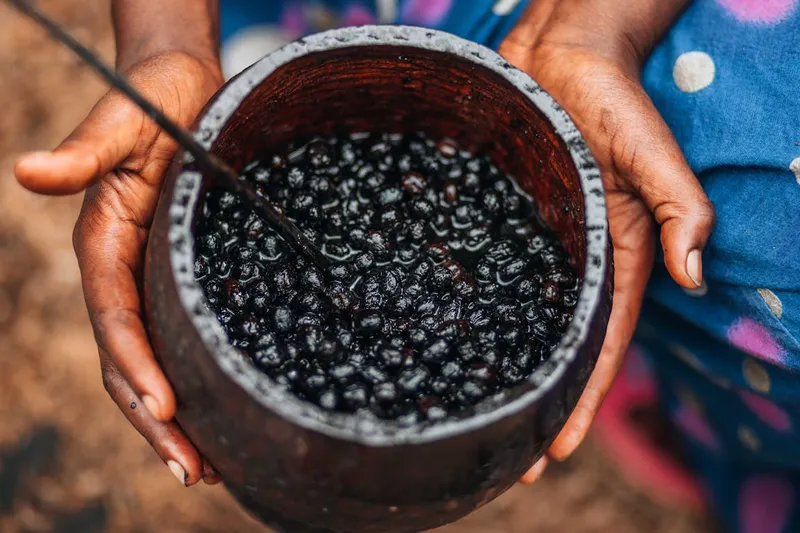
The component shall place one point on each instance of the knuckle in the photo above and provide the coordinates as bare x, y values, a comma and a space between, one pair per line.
110, 376
88, 225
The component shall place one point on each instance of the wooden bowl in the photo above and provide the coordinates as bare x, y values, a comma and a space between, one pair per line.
302, 470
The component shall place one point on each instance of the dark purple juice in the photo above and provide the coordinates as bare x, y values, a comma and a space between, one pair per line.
445, 286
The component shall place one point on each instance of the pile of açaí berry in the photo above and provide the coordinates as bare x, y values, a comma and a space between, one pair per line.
445, 287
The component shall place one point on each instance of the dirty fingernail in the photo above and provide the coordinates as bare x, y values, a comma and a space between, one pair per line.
177, 471
694, 266
152, 405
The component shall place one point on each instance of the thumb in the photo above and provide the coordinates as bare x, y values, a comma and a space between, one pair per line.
99, 145
661, 176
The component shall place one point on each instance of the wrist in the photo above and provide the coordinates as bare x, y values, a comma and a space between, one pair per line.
622, 32
149, 28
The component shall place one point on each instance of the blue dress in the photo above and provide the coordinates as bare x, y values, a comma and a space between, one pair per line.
726, 356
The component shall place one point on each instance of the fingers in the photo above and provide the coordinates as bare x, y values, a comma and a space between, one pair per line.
104, 139
631, 228
536, 471
166, 438
109, 240
658, 172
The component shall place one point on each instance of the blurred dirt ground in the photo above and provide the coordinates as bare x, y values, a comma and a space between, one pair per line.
68, 460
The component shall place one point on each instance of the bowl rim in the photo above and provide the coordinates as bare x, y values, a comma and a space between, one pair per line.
348, 427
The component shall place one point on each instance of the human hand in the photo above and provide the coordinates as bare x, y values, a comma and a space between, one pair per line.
588, 55
119, 156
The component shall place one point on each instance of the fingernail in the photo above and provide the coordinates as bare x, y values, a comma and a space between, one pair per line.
694, 266
177, 471
535, 472
152, 405
35, 157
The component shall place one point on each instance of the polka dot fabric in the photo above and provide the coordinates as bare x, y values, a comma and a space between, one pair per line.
742, 442
253, 28
724, 80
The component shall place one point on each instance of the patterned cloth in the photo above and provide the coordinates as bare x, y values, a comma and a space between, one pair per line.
252, 28
727, 356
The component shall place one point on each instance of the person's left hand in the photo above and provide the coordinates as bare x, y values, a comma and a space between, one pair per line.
588, 55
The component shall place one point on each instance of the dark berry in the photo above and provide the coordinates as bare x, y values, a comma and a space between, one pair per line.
391, 357
444, 287
369, 322
201, 268
438, 252
377, 243
329, 400
492, 202
341, 272
413, 380
284, 279
311, 278
283, 320
309, 302
386, 393
269, 357
364, 261
528, 290
447, 149
536, 244
421, 208
390, 196
356, 396
418, 338
551, 292
485, 272
319, 154
453, 329
452, 371
414, 183
436, 352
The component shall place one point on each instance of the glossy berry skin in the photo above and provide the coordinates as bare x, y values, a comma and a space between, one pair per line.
445, 287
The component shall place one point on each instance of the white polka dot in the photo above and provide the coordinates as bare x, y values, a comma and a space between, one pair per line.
772, 301
697, 292
319, 16
719, 381
693, 71
504, 7
387, 11
748, 438
756, 376
693, 362
794, 166
687, 357
250, 45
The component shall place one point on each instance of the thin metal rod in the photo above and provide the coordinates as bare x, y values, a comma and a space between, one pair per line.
211, 165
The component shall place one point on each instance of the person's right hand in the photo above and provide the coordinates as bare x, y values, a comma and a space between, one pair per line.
119, 156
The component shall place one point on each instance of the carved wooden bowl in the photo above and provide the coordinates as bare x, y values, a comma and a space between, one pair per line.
305, 471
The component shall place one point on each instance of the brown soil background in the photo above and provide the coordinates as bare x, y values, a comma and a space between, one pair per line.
90, 471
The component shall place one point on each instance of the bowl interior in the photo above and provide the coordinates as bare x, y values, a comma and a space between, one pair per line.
390, 88
396, 79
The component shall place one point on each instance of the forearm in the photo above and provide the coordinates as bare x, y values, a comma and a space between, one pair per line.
145, 28
611, 27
